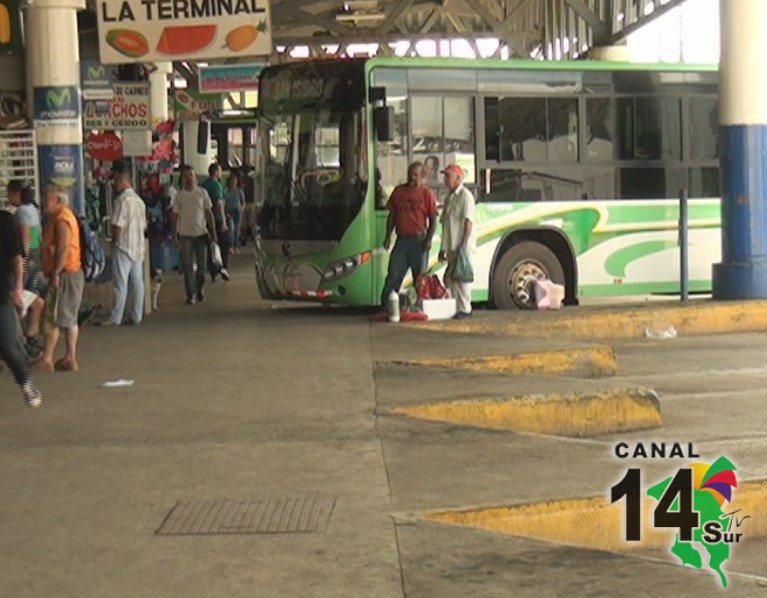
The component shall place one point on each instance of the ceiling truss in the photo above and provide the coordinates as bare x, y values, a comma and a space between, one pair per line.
542, 29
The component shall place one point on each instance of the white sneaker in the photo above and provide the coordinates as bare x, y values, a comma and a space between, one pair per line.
32, 397
224, 274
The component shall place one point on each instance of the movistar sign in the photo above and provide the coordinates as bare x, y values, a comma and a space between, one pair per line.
57, 103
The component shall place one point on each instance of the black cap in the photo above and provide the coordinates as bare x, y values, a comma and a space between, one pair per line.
18, 185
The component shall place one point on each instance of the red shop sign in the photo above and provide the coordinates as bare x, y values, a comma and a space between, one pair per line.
104, 146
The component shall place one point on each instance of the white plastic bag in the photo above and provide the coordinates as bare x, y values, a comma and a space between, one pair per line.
215, 254
548, 295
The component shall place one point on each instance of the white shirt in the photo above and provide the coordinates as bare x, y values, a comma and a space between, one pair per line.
458, 207
130, 215
191, 207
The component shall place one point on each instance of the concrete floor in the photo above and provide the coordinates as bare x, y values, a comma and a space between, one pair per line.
239, 398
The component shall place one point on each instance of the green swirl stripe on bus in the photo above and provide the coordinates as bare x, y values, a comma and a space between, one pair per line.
616, 264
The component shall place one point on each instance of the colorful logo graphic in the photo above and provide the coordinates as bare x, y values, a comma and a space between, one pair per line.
712, 488
694, 501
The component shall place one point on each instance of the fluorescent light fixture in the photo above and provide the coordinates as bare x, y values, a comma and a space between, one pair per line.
360, 16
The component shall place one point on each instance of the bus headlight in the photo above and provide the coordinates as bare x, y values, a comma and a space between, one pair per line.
345, 266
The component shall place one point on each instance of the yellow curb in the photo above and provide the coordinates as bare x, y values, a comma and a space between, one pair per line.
704, 317
574, 414
595, 523
589, 361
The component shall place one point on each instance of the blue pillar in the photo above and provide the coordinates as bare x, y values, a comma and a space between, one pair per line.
742, 274
53, 92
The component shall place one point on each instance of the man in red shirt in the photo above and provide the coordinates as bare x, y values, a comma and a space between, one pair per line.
413, 212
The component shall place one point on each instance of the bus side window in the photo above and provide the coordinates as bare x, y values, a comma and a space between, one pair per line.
600, 129
704, 128
650, 128
391, 156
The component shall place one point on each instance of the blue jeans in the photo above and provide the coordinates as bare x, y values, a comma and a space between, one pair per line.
127, 271
235, 216
408, 252
11, 350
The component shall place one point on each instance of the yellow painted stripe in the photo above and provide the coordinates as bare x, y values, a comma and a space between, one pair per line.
705, 317
589, 361
594, 522
575, 414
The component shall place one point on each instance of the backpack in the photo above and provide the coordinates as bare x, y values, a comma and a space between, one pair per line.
91, 252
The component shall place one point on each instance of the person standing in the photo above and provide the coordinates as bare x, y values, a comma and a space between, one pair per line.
457, 234
11, 287
61, 256
413, 213
192, 212
216, 193
128, 248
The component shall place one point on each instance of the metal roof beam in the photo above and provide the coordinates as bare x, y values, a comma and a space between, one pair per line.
286, 12
363, 38
642, 21
395, 14
584, 12
482, 11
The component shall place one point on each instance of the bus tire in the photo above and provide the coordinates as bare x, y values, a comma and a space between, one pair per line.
517, 269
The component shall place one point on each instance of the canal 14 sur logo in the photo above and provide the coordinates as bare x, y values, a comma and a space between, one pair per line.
696, 501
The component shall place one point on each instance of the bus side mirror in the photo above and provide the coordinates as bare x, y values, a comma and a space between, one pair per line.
203, 134
383, 120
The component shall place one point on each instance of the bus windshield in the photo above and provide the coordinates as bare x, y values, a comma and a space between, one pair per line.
311, 152
313, 173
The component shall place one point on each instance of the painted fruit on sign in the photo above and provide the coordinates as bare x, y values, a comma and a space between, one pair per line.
240, 38
128, 42
5, 25
186, 40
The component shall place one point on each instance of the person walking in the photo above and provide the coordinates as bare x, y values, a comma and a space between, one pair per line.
457, 235
128, 248
413, 213
193, 226
11, 287
234, 200
22, 196
61, 257
216, 192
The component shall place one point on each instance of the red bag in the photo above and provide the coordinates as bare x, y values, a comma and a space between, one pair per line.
436, 288
413, 316
423, 286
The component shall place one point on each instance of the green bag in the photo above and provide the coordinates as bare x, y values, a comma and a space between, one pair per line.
463, 271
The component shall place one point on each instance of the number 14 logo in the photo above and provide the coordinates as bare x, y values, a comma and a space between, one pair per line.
678, 494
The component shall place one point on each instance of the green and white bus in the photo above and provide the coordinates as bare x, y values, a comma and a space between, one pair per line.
576, 167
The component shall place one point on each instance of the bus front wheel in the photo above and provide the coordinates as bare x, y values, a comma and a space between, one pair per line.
518, 269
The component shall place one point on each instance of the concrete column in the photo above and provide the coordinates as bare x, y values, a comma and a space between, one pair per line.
53, 93
742, 274
158, 86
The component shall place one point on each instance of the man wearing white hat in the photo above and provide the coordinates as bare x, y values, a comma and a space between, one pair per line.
457, 232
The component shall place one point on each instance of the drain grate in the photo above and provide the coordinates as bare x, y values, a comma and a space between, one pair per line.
283, 515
